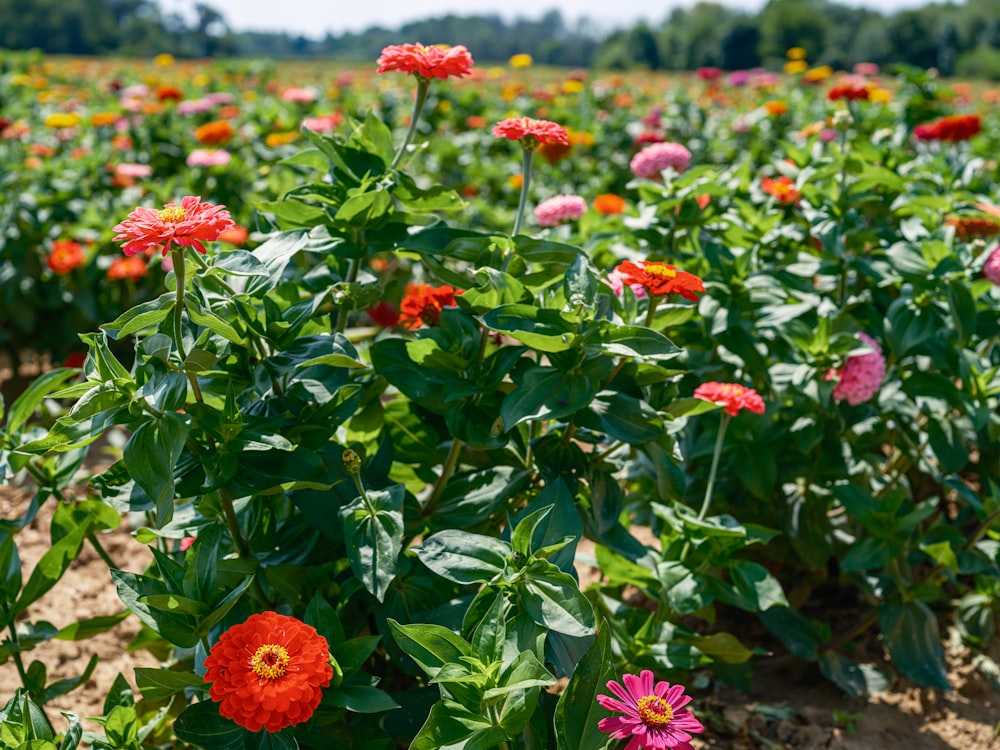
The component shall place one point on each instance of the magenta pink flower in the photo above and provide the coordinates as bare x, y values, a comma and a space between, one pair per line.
555, 211
991, 270
655, 717
860, 377
655, 158
190, 224
209, 157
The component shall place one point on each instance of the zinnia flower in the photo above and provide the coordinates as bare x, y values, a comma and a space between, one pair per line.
860, 377
616, 280
655, 717
384, 314
215, 133
733, 396
65, 256
952, 128
209, 157
991, 270
655, 158
556, 210
783, 188
299, 95
967, 227
130, 268
660, 279
267, 672
428, 62
423, 304
533, 132
852, 89
607, 204
190, 224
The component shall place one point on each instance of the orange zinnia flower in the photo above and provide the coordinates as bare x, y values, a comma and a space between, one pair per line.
609, 203
267, 672
215, 133
423, 304
783, 188
426, 62
65, 256
190, 224
733, 396
660, 279
775, 107
130, 268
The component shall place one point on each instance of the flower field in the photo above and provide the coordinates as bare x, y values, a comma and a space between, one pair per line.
470, 406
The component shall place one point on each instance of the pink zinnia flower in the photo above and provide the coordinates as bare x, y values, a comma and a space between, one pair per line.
733, 396
860, 377
655, 717
190, 224
427, 62
616, 280
654, 159
555, 211
991, 270
298, 95
209, 157
195, 106
533, 132
134, 171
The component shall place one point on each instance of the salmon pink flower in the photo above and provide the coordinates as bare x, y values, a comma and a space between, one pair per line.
655, 717
733, 396
652, 160
190, 224
131, 268
860, 377
266, 673
439, 61
209, 157
65, 256
991, 270
660, 279
531, 131
559, 209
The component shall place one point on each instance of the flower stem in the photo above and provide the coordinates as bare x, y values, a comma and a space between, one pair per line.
177, 256
713, 471
233, 524
526, 156
449, 466
423, 84
654, 302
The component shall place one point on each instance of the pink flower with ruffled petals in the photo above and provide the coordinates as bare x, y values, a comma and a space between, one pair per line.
655, 717
654, 159
991, 269
559, 209
436, 61
860, 377
190, 224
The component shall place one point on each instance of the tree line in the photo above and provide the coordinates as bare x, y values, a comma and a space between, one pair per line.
957, 39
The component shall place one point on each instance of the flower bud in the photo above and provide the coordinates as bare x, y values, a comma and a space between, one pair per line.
352, 462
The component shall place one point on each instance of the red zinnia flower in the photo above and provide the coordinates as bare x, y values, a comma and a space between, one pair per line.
731, 395
952, 128
65, 256
267, 672
533, 132
131, 268
423, 304
655, 717
427, 62
384, 314
190, 223
660, 279
783, 188
235, 235
852, 90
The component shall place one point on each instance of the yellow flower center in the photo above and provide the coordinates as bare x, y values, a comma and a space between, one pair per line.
269, 661
654, 711
172, 213
660, 269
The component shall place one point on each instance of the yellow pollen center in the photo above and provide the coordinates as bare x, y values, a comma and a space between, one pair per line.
171, 213
269, 661
660, 269
655, 711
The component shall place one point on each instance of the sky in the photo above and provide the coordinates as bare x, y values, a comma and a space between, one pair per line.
314, 18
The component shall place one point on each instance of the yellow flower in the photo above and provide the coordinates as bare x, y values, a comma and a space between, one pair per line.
818, 74
496, 72
444, 106
201, 80
796, 53
103, 119
795, 66
62, 120
572, 87
881, 96
522, 60
163, 60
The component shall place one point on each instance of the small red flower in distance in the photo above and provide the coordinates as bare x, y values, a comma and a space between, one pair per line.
733, 396
190, 224
130, 268
783, 188
533, 132
952, 128
266, 673
423, 303
427, 62
65, 256
660, 279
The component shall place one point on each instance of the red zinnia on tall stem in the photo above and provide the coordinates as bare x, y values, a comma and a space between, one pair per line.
266, 673
733, 396
655, 715
429, 62
190, 224
661, 279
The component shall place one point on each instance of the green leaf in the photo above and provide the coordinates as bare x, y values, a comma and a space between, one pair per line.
51, 567
578, 712
84, 629
31, 398
724, 647
159, 684
553, 599
179, 629
203, 726
59, 688
526, 671
150, 456
541, 329
911, 633
450, 726
430, 646
361, 699
546, 393
520, 539
859, 680
264, 740
758, 586
373, 531
463, 557
141, 316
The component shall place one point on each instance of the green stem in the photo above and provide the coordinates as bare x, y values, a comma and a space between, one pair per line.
233, 524
423, 84
16, 653
352, 276
177, 256
449, 466
92, 538
526, 156
654, 302
713, 471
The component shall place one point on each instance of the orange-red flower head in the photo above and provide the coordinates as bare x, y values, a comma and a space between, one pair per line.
267, 672
952, 128
660, 279
783, 188
65, 256
531, 132
190, 224
130, 268
427, 62
423, 303
607, 204
733, 396
215, 133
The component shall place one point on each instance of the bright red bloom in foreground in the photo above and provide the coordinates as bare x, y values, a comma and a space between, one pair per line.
423, 304
130, 268
428, 62
783, 188
533, 132
65, 256
267, 672
660, 279
733, 396
952, 128
190, 224
655, 717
